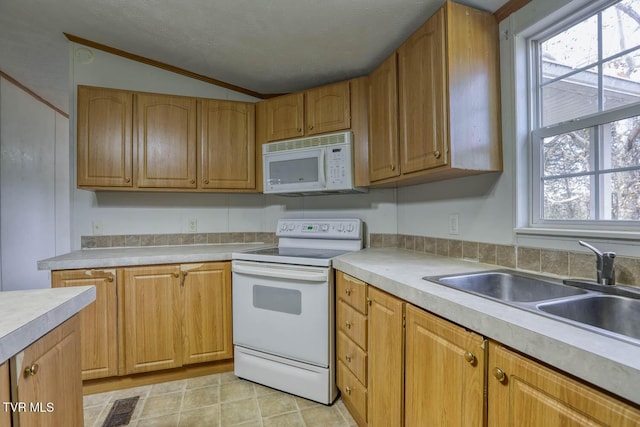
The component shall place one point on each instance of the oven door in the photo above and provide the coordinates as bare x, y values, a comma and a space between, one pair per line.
294, 171
284, 310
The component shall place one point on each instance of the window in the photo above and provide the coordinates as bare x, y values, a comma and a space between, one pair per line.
585, 130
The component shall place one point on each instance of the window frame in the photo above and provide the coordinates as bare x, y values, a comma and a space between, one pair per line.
537, 132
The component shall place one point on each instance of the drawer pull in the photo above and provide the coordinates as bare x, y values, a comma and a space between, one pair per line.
347, 324
32, 370
348, 358
348, 292
470, 357
348, 390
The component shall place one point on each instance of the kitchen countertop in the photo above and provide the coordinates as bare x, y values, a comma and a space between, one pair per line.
606, 362
120, 257
28, 315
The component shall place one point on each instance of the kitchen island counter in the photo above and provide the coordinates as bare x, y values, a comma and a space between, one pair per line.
609, 363
30, 314
122, 257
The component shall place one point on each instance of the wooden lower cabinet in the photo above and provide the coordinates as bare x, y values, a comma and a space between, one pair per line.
175, 315
444, 372
5, 395
207, 312
523, 392
98, 321
386, 359
46, 377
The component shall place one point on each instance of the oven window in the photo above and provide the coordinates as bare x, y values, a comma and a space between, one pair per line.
277, 299
294, 171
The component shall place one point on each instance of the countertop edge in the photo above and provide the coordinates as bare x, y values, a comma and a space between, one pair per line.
26, 334
575, 352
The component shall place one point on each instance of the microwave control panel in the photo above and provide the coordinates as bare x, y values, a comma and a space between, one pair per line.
338, 160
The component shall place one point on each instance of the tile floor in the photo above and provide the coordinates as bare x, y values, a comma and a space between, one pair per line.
216, 400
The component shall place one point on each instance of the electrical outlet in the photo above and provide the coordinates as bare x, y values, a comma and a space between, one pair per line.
192, 225
97, 228
453, 223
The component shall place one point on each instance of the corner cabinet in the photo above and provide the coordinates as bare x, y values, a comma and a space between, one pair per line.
135, 141
447, 101
98, 321
315, 111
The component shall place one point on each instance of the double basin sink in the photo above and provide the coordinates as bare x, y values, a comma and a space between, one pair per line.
608, 310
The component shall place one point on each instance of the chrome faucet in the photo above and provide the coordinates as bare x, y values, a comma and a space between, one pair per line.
604, 264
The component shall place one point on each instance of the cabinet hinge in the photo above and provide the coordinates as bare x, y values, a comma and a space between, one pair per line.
404, 320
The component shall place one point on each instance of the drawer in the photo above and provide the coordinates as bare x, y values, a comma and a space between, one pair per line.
353, 357
353, 392
352, 291
352, 323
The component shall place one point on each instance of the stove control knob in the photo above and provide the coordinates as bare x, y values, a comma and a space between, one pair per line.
350, 228
324, 227
341, 227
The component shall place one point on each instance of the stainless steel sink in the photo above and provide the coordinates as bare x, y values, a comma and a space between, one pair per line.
613, 313
508, 286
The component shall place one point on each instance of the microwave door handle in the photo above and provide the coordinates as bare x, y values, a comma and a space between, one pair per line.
322, 169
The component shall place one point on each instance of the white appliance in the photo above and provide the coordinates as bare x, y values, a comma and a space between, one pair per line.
283, 307
308, 166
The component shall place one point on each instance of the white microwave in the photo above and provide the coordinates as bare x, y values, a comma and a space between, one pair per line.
309, 166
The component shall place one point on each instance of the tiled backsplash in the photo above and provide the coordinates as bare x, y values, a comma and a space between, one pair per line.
562, 263
138, 240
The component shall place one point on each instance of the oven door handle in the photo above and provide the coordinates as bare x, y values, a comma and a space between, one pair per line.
281, 272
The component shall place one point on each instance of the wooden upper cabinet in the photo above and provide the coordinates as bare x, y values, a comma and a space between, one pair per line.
166, 140
328, 108
320, 110
227, 145
383, 121
422, 97
104, 123
285, 116
522, 389
444, 372
98, 321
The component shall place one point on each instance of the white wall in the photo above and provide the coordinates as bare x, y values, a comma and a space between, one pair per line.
145, 213
34, 187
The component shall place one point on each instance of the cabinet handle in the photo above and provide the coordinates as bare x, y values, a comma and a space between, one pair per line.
348, 358
299, 129
31, 370
184, 276
206, 181
348, 292
393, 167
310, 127
437, 154
499, 375
347, 324
176, 274
127, 179
470, 357
348, 390
193, 181
110, 278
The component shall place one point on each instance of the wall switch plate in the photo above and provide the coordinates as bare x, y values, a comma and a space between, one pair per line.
192, 225
97, 228
453, 223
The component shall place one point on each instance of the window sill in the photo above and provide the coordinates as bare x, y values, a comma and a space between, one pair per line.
613, 235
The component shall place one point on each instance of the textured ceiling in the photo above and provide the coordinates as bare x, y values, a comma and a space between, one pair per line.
267, 46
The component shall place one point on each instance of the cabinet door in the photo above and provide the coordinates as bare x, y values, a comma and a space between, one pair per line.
444, 372
227, 144
422, 97
104, 137
207, 312
285, 116
328, 108
386, 360
47, 374
166, 140
523, 392
98, 321
152, 318
383, 121
5, 395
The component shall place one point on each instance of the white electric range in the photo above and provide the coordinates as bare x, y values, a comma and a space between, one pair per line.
283, 307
